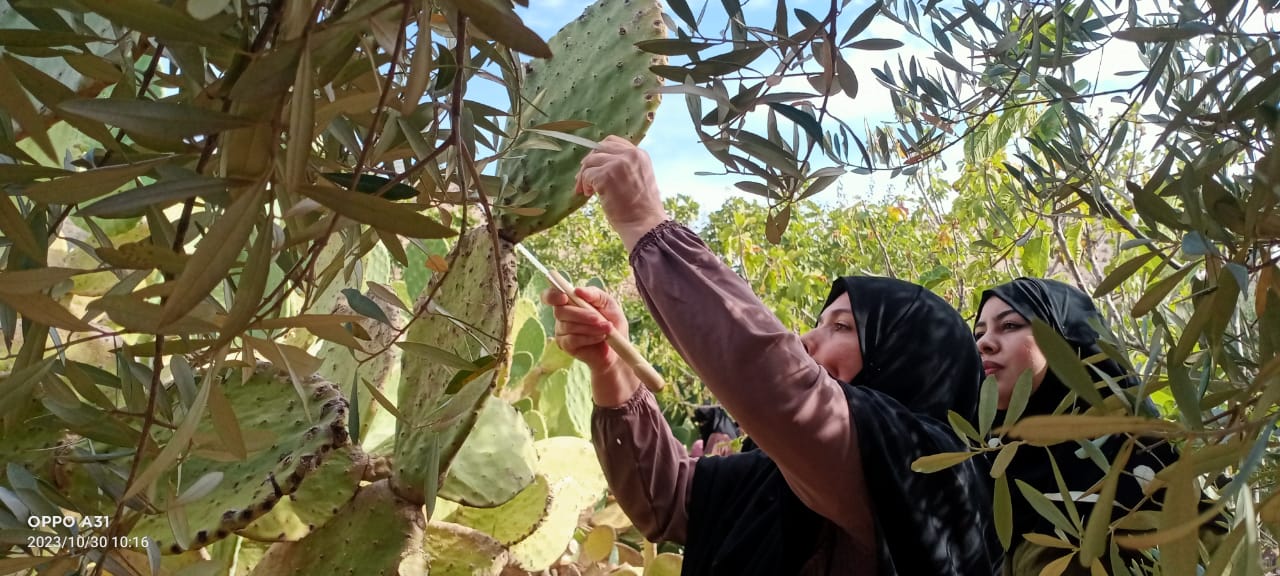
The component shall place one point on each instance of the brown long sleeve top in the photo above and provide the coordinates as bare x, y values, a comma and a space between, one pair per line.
792, 408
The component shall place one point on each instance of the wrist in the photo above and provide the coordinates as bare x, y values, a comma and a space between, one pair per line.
613, 386
632, 233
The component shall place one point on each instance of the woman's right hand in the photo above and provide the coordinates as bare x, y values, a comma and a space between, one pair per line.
581, 333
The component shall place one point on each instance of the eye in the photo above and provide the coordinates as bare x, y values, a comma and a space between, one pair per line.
842, 327
978, 335
1011, 326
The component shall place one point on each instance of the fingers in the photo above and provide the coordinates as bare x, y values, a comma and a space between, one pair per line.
573, 344
554, 297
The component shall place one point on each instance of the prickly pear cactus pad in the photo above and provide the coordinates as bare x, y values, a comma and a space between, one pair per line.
376, 533
454, 550
315, 502
577, 482
496, 460
476, 295
289, 443
597, 75
511, 522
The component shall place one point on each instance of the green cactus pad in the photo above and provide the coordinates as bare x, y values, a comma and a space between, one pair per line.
476, 295
537, 423
513, 521
342, 367
577, 482
292, 449
565, 401
376, 533
598, 76
315, 502
455, 550
496, 460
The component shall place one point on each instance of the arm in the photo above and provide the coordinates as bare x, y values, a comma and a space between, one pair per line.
645, 466
758, 370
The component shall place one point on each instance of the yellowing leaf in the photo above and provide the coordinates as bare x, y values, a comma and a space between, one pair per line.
377, 212
35, 280
1049, 430
306, 321
214, 256
82, 186
13, 99
936, 462
1048, 541
138, 316
159, 20
44, 310
253, 284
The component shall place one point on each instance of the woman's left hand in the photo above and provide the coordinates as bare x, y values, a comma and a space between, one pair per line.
622, 176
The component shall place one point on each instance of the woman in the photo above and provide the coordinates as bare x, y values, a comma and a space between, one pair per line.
838, 414
1008, 349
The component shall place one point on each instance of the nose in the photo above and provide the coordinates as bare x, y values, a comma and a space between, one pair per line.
986, 345
808, 341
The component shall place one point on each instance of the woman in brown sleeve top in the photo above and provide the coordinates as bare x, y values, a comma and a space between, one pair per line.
839, 413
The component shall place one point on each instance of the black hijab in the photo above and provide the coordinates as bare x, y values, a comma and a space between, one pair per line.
1071, 313
918, 363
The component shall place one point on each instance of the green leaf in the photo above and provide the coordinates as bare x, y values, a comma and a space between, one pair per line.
499, 22
1003, 459
25, 38
1046, 508
936, 462
14, 101
370, 184
1120, 273
178, 442
1186, 395
365, 306
159, 120
1064, 362
377, 212
1152, 207
988, 400
681, 8
18, 231
1018, 400
963, 427
672, 46
1147, 34
876, 44
214, 256
1003, 511
1095, 530
804, 119
162, 194
437, 355
84, 186
159, 20
861, 22
1158, 291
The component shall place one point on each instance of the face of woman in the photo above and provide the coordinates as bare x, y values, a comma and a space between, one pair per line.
1008, 347
834, 342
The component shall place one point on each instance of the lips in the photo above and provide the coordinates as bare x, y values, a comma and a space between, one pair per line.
991, 367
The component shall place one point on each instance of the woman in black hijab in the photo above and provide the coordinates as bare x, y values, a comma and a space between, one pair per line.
1008, 349
743, 519
838, 414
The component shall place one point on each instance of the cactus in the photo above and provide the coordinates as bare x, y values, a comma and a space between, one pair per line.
538, 524
455, 550
565, 401
268, 405
496, 461
375, 533
315, 502
479, 299
598, 76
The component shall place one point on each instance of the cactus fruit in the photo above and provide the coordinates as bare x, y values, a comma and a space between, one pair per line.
479, 297
455, 550
315, 502
598, 76
375, 533
495, 462
267, 405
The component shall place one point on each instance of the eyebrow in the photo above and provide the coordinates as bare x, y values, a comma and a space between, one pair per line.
1000, 316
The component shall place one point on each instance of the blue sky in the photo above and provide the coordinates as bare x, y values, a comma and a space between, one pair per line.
672, 142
